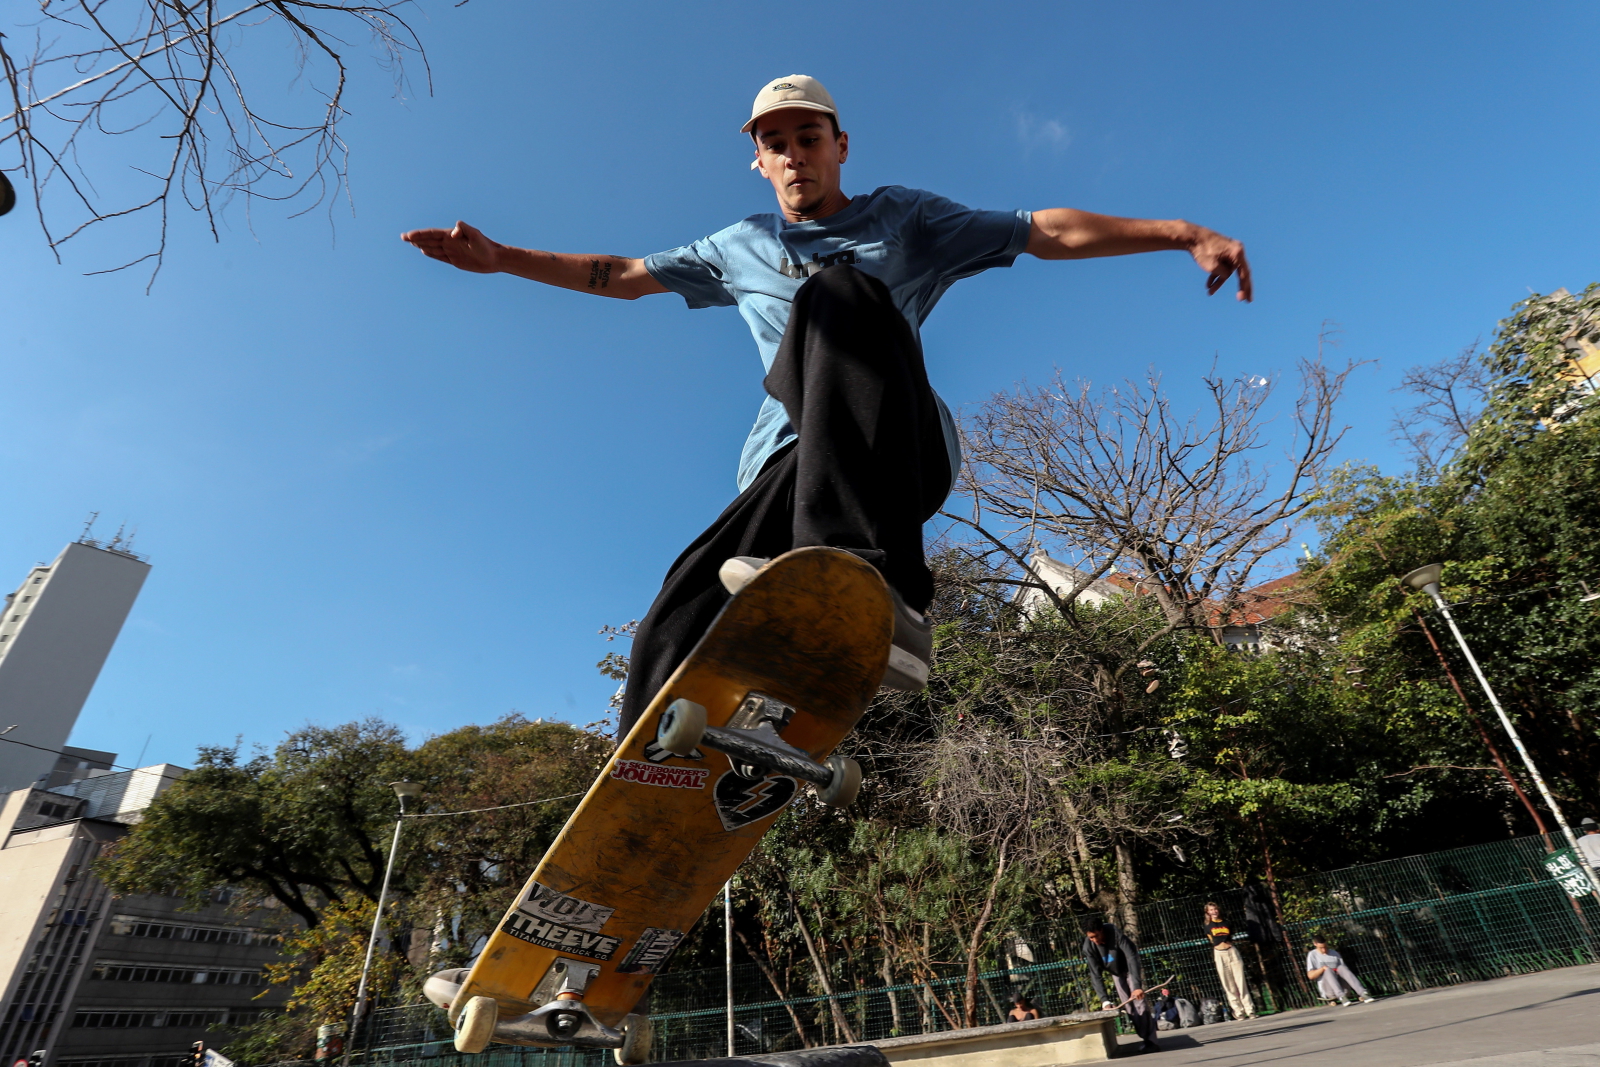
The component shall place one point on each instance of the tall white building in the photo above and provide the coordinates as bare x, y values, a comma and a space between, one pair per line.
56, 632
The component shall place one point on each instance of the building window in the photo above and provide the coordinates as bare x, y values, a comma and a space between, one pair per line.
126, 1020
129, 972
133, 926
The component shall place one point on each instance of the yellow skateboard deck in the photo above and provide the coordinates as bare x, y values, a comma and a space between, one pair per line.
658, 834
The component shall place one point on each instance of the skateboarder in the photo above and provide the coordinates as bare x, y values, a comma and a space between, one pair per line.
852, 449
1110, 952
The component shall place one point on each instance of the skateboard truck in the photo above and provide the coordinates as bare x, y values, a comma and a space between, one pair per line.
563, 1020
751, 740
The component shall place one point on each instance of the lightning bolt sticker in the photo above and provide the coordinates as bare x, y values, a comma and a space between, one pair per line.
741, 801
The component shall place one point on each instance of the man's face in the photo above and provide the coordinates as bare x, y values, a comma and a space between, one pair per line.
1099, 937
1322, 946
800, 156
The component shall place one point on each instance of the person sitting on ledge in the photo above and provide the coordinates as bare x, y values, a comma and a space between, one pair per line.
1334, 979
1022, 1009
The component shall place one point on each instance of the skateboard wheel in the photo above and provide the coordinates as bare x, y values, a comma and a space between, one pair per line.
638, 1033
841, 790
682, 726
475, 1027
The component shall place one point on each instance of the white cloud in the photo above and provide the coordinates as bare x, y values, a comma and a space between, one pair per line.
355, 452
1035, 132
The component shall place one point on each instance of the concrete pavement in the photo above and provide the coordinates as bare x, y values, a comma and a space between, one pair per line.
1548, 1019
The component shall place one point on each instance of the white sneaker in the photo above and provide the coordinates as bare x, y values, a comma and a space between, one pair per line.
910, 651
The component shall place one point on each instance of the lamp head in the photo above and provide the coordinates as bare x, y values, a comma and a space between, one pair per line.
1423, 577
406, 789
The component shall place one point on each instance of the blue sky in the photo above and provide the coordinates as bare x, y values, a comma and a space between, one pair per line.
372, 485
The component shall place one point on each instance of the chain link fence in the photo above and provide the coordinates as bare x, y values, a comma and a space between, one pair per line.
1438, 919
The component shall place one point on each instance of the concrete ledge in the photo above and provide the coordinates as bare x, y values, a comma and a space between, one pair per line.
1081, 1038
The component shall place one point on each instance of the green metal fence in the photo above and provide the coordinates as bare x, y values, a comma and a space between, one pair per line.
1437, 919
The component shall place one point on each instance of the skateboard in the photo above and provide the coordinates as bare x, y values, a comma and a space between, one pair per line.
749, 719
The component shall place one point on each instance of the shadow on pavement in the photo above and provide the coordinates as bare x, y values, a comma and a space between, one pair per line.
1574, 993
1264, 1032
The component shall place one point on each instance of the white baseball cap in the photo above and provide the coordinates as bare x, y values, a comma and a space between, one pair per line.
794, 90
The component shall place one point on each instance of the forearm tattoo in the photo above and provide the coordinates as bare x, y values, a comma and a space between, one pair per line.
599, 274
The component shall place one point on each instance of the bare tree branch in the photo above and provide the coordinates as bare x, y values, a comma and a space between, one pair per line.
1177, 509
1452, 392
182, 85
1103, 523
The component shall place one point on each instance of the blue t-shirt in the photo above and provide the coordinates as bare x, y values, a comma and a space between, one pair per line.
914, 242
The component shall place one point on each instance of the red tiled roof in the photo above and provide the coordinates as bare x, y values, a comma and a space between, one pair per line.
1258, 604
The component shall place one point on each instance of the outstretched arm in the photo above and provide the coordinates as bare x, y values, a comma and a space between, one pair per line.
1066, 233
466, 247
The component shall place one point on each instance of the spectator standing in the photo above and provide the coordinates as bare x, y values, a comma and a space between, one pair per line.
1230, 963
1022, 1009
1332, 976
1589, 843
1109, 951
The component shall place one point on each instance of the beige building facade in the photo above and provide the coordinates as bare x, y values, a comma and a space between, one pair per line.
96, 980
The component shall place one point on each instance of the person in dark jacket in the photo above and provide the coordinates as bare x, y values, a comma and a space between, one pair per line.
1110, 952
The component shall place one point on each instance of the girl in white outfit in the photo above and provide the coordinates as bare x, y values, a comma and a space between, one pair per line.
1332, 976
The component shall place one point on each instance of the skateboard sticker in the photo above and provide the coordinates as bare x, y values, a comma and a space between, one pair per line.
547, 934
545, 903
650, 952
741, 801
656, 754
630, 770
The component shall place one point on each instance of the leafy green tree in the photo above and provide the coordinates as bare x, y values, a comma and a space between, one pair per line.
1514, 514
310, 823
322, 966
520, 781
305, 825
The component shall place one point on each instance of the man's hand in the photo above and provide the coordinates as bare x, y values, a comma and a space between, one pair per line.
1137, 994
464, 247
1067, 233
1221, 257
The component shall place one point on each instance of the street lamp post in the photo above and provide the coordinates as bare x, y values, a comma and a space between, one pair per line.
403, 790
727, 935
1427, 580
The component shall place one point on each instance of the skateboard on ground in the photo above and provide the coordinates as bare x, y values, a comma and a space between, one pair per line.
748, 720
